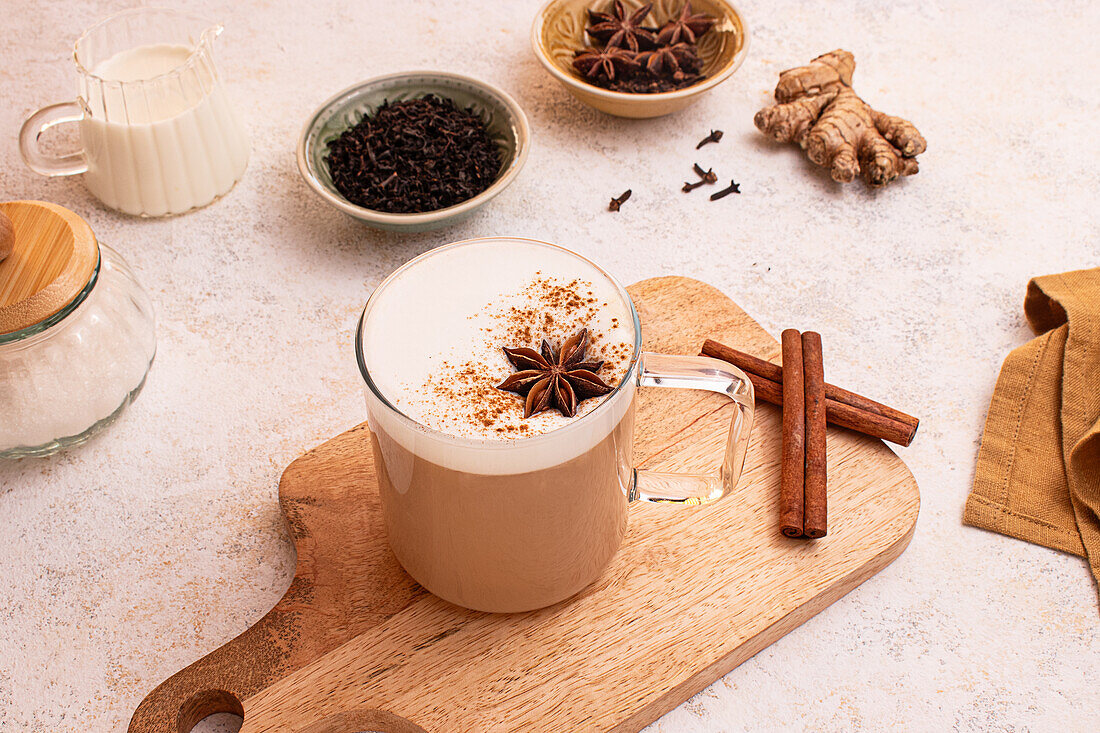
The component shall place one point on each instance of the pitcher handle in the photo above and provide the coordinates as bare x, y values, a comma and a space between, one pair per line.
38, 123
697, 372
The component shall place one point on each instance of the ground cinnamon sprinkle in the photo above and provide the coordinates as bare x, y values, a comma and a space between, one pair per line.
544, 308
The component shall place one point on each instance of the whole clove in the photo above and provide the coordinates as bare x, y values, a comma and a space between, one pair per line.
732, 188
713, 137
708, 176
616, 203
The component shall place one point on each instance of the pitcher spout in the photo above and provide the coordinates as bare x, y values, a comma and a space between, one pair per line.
209, 35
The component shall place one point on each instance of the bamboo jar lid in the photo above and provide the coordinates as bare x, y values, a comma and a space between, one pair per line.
53, 255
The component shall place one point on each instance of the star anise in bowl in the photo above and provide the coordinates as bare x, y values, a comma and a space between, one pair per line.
621, 30
687, 27
677, 61
554, 378
641, 60
605, 64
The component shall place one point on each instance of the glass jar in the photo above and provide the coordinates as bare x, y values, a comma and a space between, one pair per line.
69, 375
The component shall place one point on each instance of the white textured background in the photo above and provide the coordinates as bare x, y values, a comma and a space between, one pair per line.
125, 560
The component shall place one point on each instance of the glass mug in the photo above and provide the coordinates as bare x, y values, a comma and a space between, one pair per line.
509, 526
158, 134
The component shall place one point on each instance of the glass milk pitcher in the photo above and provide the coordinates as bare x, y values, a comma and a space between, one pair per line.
157, 131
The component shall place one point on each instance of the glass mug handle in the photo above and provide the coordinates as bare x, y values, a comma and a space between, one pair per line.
697, 372
38, 123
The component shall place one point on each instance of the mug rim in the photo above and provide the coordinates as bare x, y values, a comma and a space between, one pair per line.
487, 443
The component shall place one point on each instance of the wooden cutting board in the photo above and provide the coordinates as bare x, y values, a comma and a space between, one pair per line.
356, 645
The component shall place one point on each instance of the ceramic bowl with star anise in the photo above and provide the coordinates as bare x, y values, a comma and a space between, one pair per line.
561, 29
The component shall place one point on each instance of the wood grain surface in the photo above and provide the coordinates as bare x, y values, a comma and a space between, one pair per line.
54, 255
356, 645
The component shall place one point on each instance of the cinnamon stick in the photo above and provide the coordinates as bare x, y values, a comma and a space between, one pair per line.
814, 524
842, 407
791, 494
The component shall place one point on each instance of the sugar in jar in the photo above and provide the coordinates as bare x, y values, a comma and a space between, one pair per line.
77, 335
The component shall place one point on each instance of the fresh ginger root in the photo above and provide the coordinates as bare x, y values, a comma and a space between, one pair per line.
818, 110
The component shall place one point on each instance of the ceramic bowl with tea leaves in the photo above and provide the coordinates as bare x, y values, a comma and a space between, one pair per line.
559, 32
503, 119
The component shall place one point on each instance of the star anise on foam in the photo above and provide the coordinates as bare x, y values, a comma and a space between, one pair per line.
677, 60
617, 29
687, 27
605, 63
554, 379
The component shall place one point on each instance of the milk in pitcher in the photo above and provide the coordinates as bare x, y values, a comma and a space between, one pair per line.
175, 146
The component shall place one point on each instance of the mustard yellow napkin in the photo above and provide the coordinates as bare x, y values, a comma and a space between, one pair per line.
1038, 474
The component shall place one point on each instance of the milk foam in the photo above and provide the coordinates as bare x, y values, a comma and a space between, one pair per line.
432, 337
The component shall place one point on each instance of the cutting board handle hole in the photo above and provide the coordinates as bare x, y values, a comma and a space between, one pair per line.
211, 711
219, 723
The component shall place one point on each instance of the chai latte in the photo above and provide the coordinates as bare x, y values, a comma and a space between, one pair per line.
483, 507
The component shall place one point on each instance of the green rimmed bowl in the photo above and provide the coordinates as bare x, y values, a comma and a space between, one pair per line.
506, 122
